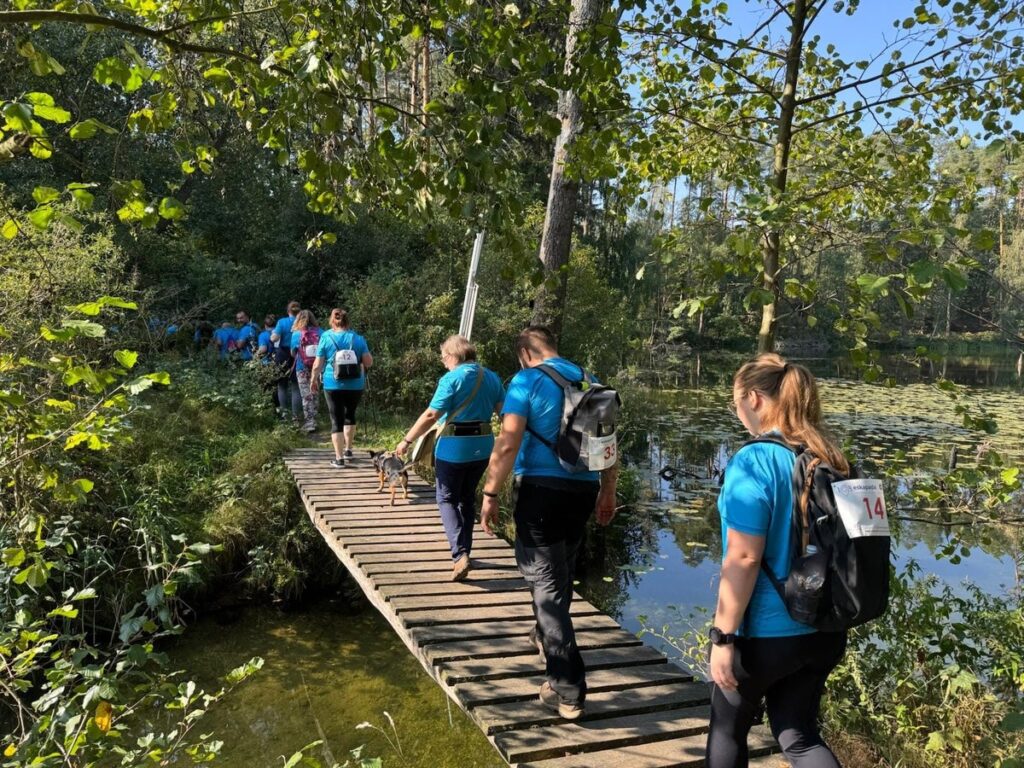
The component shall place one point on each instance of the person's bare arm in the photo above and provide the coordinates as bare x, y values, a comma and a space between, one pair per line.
742, 563
503, 458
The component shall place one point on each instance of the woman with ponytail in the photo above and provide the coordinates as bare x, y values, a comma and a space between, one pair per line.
757, 651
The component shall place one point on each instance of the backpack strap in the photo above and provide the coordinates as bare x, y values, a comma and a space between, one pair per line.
562, 382
472, 395
780, 587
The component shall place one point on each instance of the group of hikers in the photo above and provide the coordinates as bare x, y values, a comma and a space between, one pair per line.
761, 658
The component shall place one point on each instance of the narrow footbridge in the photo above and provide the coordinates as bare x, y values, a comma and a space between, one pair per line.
471, 637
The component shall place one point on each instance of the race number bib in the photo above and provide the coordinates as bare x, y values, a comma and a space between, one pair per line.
346, 357
602, 452
311, 350
861, 504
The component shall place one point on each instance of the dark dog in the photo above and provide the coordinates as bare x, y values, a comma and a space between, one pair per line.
392, 469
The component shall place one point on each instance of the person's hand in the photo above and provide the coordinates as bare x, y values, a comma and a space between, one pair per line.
489, 514
605, 508
401, 448
314, 385
722, 659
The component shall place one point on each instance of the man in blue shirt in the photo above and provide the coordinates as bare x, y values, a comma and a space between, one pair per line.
223, 339
246, 335
552, 507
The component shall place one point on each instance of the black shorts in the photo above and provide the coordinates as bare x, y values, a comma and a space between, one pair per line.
341, 405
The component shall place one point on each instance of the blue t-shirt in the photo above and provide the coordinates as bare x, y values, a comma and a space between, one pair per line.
537, 398
452, 390
264, 341
245, 339
334, 341
757, 499
283, 329
296, 335
224, 337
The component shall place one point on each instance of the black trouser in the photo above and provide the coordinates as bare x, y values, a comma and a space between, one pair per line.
341, 405
789, 673
551, 518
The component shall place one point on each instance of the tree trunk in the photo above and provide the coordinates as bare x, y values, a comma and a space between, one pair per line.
780, 171
556, 239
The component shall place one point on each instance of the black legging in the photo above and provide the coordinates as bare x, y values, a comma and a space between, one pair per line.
341, 405
789, 673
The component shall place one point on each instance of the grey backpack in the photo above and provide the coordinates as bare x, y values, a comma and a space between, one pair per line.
586, 440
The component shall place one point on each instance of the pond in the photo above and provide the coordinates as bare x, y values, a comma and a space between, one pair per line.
326, 672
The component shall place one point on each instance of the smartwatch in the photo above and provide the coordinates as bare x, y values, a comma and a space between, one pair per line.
718, 637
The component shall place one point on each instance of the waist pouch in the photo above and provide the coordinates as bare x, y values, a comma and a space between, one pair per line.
468, 429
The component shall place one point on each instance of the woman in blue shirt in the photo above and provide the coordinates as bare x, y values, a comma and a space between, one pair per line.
758, 651
305, 342
470, 393
342, 359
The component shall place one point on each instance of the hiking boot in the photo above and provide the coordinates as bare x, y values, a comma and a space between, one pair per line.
337, 463
549, 698
460, 568
538, 644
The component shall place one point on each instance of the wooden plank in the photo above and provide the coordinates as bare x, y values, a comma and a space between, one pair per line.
427, 546
668, 752
498, 718
470, 586
438, 567
522, 610
518, 647
444, 577
483, 598
422, 636
411, 518
475, 670
478, 693
414, 554
533, 744
392, 527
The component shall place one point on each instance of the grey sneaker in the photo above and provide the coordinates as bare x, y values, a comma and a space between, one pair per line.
348, 453
337, 463
549, 698
536, 642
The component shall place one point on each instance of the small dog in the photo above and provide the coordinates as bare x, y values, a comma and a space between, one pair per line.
392, 469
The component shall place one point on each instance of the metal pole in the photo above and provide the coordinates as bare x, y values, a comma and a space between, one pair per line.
469, 302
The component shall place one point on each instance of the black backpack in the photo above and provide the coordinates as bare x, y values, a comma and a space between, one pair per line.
839, 575
345, 362
586, 439
282, 354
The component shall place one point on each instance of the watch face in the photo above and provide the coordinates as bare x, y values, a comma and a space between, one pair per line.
715, 635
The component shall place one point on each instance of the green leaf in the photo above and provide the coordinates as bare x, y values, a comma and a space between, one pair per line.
217, 74
13, 557
936, 742
18, 117
126, 358
45, 194
52, 114
171, 209
64, 612
41, 217
160, 377
89, 128
1013, 722
1009, 476
9, 229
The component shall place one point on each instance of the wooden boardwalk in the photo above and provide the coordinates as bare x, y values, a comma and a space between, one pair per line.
471, 637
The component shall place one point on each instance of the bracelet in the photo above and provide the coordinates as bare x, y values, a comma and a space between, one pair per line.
490, 495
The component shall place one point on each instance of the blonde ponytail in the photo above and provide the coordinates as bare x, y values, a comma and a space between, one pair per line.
793, 406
